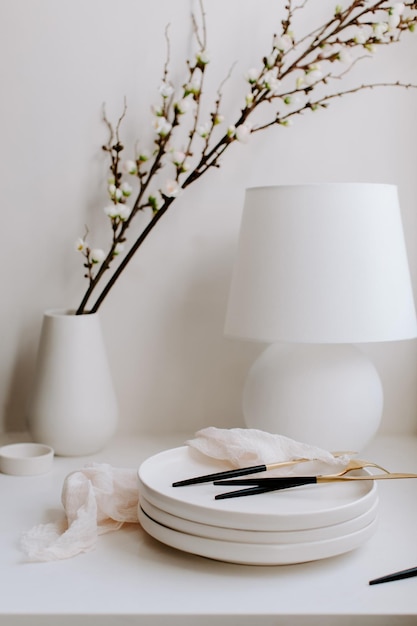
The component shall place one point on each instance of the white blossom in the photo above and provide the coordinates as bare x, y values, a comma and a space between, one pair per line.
271, 59
397, 8
177, 157
130, 167
242, 133
183, 105
252, 75
380, 28
231, 131
218, 119
114, 192
162, 126
270, 82
166, 90
313, 74
80, 244
345, 56
202, 57
97, 255
287, 122
144, 156
124, 211
118, 209
156, 200
171, 188
119, 248
394, 20
112, 210
294, 100
157, 109
249, 99
194, 87
126, 189
203, 129
361, 36
283, 42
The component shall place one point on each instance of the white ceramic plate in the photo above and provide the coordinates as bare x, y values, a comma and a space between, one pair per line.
301, 508
256, 554
254, 536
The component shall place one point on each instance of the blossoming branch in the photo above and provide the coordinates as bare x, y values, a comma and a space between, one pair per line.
296, 75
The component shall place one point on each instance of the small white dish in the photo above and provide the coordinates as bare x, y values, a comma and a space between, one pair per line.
256, 554
25, 459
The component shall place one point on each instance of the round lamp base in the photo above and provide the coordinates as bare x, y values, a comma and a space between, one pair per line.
325, 395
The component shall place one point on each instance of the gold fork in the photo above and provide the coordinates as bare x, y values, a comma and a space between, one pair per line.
264, 485
357, 464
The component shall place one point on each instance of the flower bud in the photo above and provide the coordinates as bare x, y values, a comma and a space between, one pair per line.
252, 75
157, 110
194, 87
344, 56
144, 156
156, 201
242, 133
171, 188
130, 167
177, 157
397, 8
182, 106
112, 210
313, 74
202, 57
286, 123
361, 36
270, 60
166, 90
119, 248
124, 211
270, 82
162, 126
126, 189
203, 130
97, 255
379, 28
283, 42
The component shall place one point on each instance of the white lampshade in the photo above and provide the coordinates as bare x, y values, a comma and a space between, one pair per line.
321, 263
320, 266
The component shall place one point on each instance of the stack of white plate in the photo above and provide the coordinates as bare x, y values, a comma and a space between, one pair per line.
289, 526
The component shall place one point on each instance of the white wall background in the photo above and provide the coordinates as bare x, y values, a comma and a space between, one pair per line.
163, 323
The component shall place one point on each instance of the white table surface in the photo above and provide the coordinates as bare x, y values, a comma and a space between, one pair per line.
130, 578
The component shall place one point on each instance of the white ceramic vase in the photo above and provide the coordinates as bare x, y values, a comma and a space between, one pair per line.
73, 406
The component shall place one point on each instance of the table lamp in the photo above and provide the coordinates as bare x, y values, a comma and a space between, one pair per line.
319, 268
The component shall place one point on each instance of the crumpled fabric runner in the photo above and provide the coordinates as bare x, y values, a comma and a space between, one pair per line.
97, 499
243, 447
100, 498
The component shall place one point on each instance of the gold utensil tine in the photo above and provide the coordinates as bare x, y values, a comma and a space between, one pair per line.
389, 476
